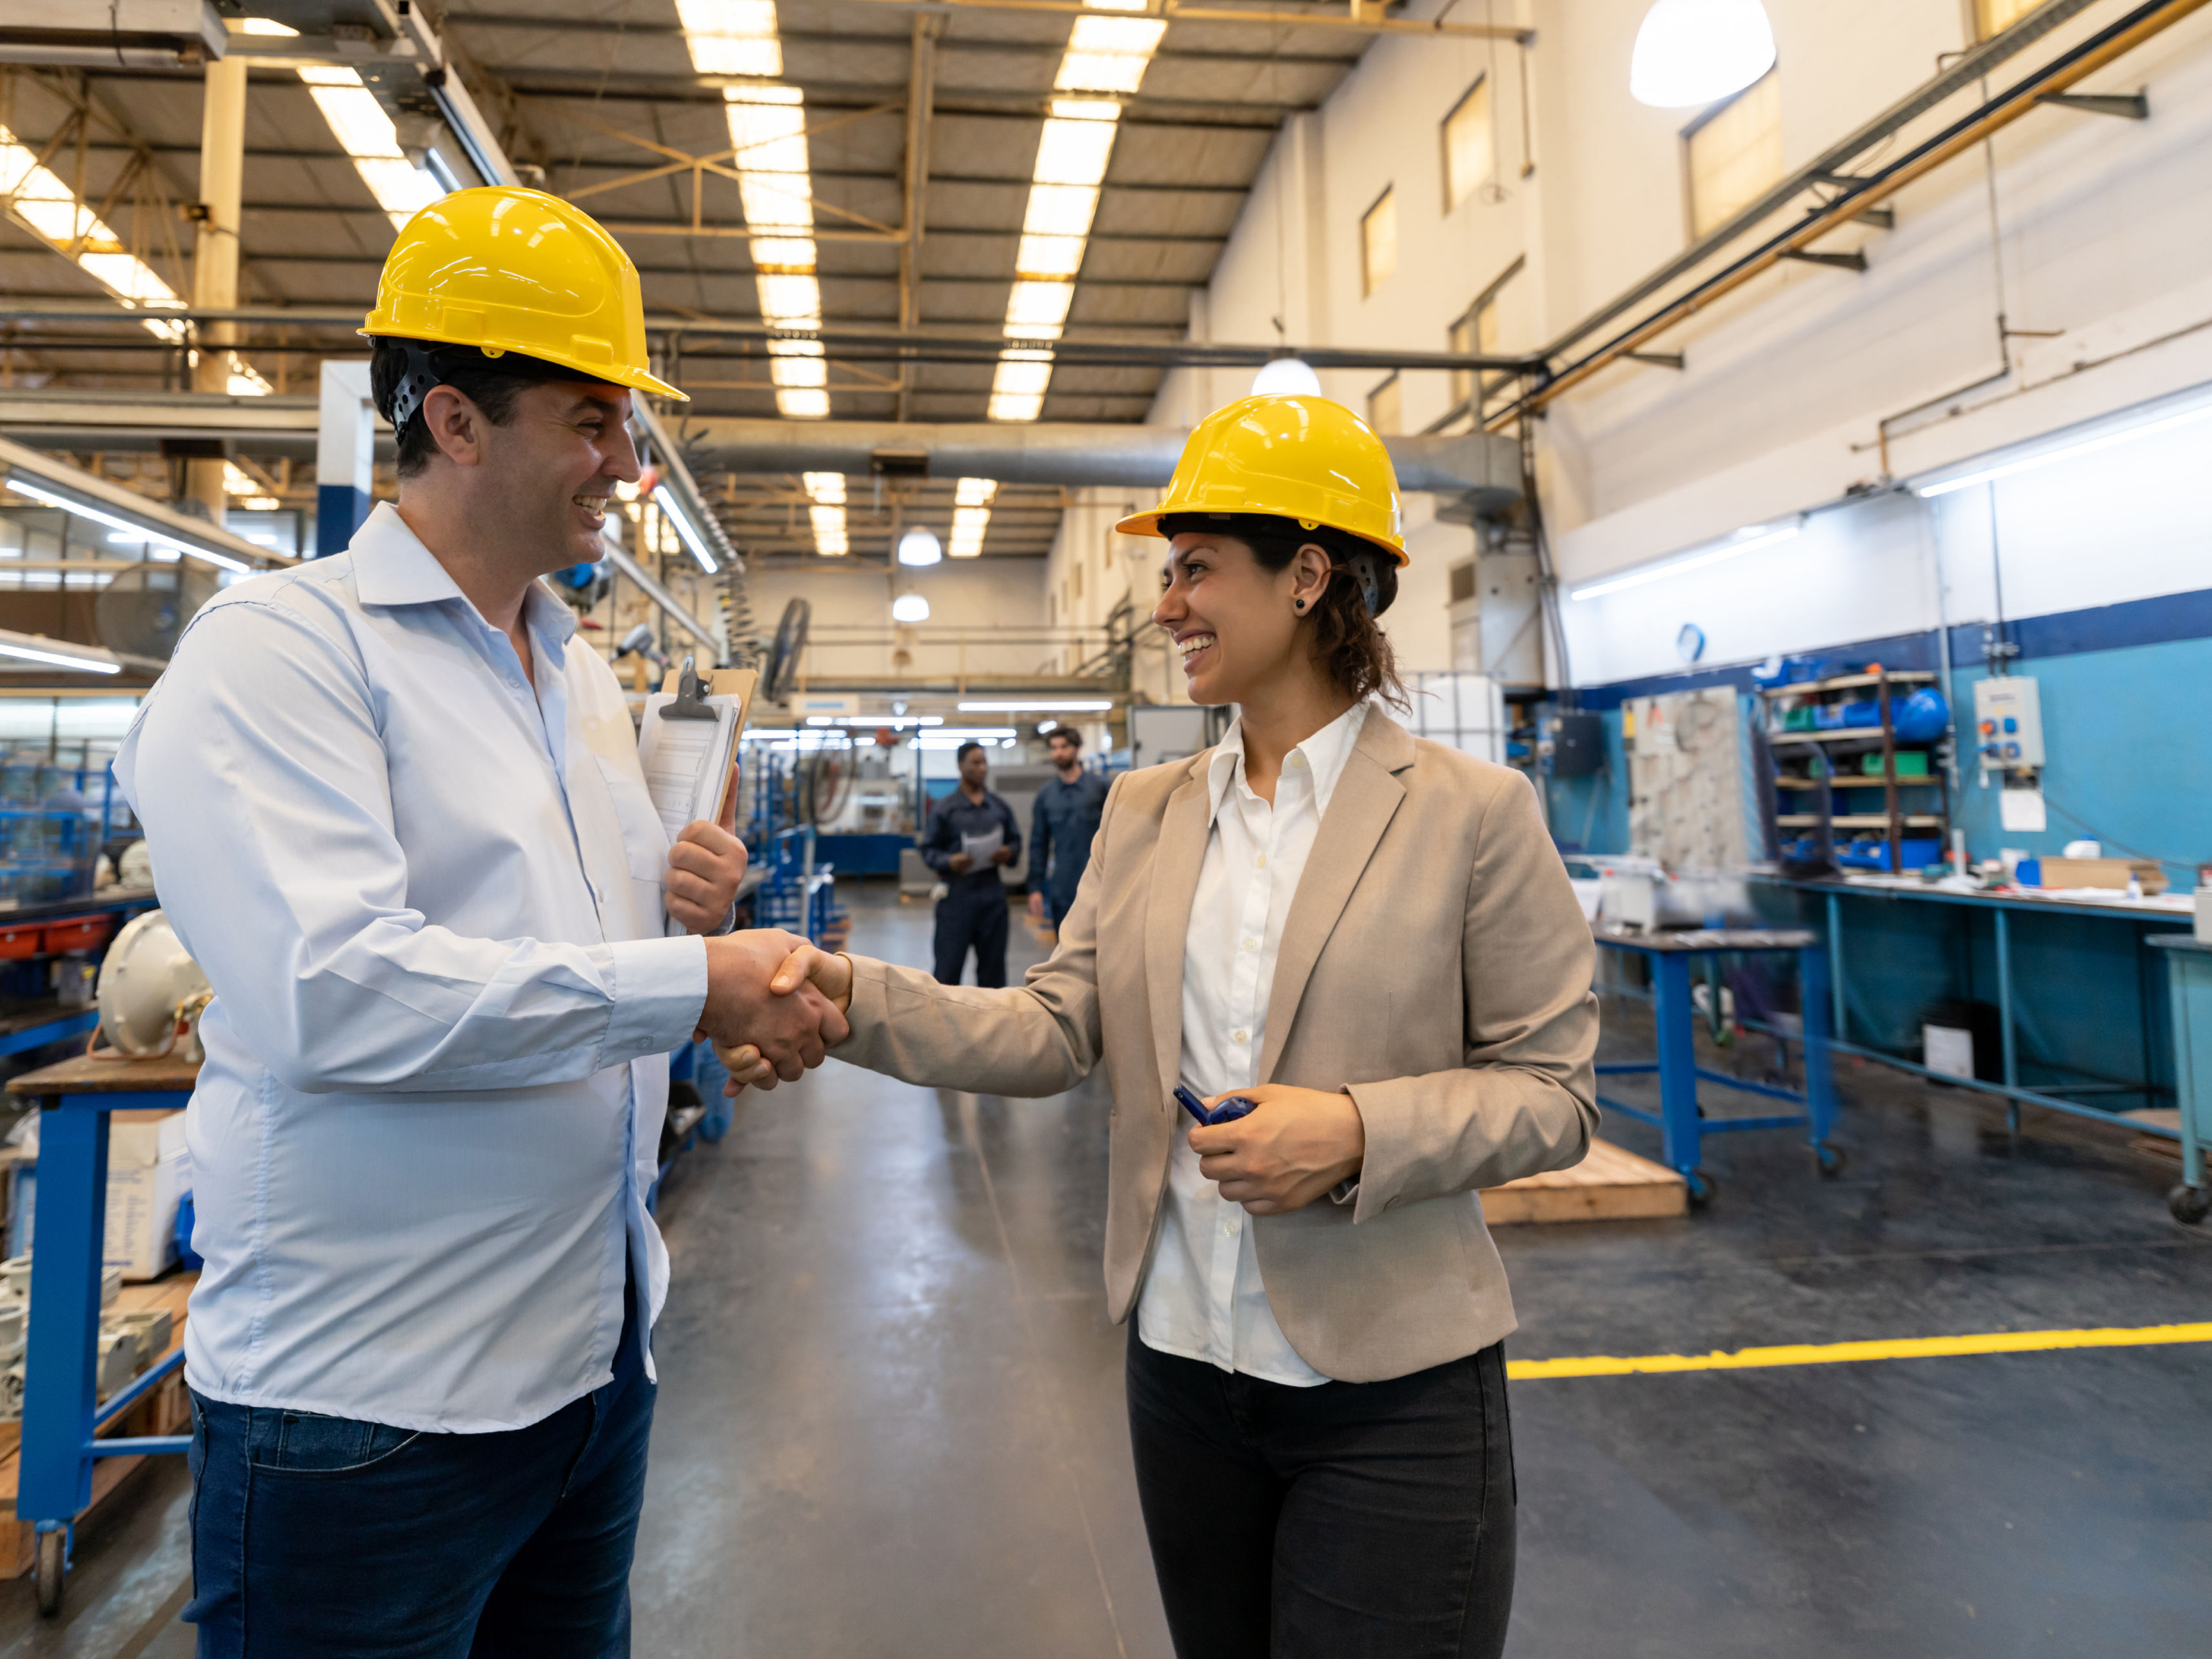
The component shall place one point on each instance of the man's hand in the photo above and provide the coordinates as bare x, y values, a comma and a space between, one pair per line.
1003, 854
704, 868
960, 863
816, 972
1298, 1145
1036, 906
788, 1030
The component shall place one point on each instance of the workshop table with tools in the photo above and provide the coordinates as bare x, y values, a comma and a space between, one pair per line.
1680, 1120
61, 1412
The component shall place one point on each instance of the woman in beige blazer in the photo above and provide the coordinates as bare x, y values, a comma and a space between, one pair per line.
1371, 936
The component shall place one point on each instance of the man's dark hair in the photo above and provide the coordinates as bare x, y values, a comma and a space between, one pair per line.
492, 384
961, 755
1067, 732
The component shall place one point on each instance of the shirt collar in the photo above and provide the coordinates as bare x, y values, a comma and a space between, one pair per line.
392, 568
1323, 754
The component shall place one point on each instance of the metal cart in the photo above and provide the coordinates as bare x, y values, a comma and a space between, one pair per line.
61, 1410
2189, 982
1678, 1119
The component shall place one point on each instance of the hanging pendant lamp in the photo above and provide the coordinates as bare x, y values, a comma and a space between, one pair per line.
1698, 51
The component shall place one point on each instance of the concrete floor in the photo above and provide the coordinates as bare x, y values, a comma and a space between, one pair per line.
890, 1421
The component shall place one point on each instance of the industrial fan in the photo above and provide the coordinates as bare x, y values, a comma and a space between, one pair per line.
825, 784
782, 671
142, 611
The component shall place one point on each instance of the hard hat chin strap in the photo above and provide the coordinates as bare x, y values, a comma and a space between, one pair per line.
1360, 567
415, 378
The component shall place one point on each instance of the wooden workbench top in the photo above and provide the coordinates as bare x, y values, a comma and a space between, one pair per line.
82, 1075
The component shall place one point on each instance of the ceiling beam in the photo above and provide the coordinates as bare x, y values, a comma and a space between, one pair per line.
1137, 110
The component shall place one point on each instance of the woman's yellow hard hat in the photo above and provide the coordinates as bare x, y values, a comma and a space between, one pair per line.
505, 269
1290, 456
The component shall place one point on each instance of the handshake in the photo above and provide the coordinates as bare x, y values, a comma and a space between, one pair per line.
775, 1005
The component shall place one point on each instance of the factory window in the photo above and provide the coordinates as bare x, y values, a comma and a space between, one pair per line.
1995, 16
1383, 412
1467, 158
1475, 333
1378, 243
1462, 582
1732, 152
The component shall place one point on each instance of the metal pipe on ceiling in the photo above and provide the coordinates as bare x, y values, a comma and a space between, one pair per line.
2063, 71
1064, 453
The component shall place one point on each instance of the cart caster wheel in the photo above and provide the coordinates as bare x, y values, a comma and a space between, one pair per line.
1701, 1188
1831, 1156
2189, 1204
52, 1548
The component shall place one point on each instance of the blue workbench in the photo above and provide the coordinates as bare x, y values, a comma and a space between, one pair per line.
2004, 908
2189, 982
1681, 1126
61, 1411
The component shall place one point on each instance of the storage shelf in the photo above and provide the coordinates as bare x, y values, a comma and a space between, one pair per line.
1860, 820
1849, 682
1860, 781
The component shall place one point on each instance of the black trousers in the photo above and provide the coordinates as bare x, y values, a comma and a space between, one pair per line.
973, 914
1347, 1520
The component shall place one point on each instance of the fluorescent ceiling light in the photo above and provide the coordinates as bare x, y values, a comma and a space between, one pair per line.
827, 515
732, 37
1698, 51
664, 498
910, 608
1287, 375
2142, 427
57, 658
1039, 706
1746, 540
365, 133
975, 733
892, 721
38, 201
919, 547
52, 498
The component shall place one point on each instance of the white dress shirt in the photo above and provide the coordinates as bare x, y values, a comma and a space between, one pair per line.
1203, 1298
427, 894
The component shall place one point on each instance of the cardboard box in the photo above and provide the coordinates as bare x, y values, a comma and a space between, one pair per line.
2104, 872
148, 1172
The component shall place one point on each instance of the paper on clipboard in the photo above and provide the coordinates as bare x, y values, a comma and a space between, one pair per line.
687, 759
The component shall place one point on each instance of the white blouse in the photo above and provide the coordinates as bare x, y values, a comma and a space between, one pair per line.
1203, 1298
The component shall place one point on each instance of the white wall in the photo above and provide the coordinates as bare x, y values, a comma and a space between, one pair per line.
987, 613
1799, 386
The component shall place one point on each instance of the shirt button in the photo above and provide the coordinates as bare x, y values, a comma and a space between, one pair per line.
1261, 861
1251, 944
1229, 1227
1240, 1035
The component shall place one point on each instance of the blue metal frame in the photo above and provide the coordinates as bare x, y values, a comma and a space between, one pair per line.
1681, 1130
61, 1380
2003, 906
54, 1030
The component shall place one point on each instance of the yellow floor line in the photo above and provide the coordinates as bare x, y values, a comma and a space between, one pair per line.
1841, 1353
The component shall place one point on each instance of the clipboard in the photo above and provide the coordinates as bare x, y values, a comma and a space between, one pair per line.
688, 740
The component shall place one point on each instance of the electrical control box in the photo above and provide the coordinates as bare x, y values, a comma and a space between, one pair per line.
2008, 723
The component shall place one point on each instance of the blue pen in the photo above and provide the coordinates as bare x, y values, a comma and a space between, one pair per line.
1228, 1112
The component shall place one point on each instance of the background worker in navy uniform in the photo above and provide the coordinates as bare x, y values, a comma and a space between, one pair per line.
1061, 829
972, 911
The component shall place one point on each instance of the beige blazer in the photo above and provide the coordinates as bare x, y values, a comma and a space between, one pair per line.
1434, 965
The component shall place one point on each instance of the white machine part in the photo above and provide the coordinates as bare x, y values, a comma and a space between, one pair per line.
147, 983
2008, 723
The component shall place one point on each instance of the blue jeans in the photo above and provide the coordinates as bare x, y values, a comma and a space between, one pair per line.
315, 1534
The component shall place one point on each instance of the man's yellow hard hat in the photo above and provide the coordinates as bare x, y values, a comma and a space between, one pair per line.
1288, 456
505, 269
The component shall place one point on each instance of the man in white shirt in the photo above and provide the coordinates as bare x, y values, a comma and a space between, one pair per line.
399, 820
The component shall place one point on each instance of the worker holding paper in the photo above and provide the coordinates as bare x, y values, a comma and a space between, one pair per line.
403, 827
971, 835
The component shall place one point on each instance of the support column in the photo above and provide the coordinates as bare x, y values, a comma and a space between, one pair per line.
215, 260
346, 452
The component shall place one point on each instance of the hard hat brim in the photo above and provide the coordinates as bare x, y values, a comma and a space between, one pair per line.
636, 380
1148, 524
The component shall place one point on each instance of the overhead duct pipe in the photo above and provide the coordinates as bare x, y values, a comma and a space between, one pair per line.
1073, 456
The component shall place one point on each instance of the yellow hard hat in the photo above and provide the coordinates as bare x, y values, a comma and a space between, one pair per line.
1288, 456
505, 269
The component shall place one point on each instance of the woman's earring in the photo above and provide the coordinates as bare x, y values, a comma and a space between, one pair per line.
1297, 604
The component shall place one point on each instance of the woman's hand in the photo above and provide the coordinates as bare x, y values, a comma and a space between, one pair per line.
832, 976
1300, 1143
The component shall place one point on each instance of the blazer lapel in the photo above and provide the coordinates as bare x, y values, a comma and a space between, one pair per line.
1364, 801
1176, 859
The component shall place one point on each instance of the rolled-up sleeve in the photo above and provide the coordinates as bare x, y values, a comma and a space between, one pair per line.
259, 771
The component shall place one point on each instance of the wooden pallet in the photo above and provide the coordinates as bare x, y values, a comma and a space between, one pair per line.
165, 1410
1611, 1184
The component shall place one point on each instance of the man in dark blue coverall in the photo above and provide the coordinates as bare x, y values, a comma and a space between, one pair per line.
1067, 818
958, 846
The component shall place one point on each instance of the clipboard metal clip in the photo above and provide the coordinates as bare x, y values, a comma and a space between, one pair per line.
690, 701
